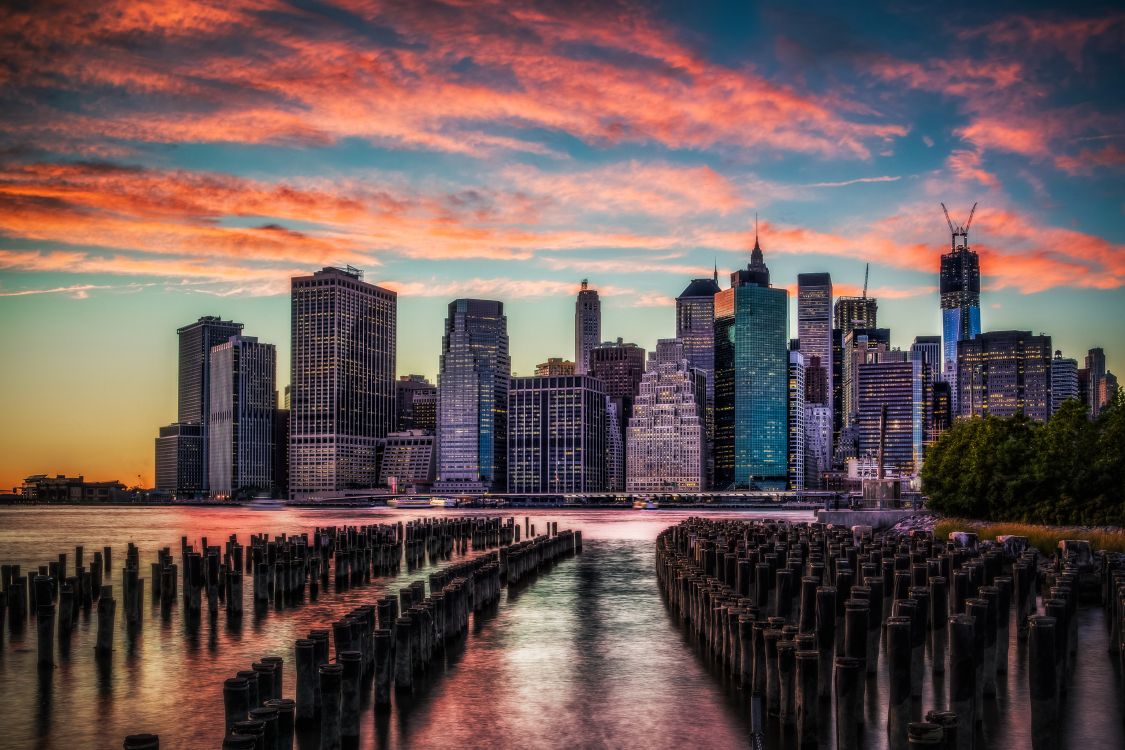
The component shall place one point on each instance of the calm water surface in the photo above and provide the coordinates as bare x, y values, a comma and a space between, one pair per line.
586, 656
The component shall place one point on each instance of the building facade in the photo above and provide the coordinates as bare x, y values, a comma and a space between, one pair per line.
557, 435
751, 380
1004, 372
1064, 380
614, 448
587, 327
555, 367
797, 439
666, 447
343, 380
695, 327
860, 346
411, 390
850, 313
902, 389
818, 442
814, 331
196, 342
241, 424
960, 302
408, 460
472, 421
179, 460
1095, 380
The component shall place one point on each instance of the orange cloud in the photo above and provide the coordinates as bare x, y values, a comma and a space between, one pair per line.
447, 78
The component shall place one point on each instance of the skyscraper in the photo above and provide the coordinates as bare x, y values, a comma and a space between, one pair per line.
818, 443
1064, 380
474, 373
587, 326
1004, 372
1095, 377
241, 425
850, 313
620, 366
861, 345
814, 330
929, 349
614, 448
196, 342
960, 299
751, 380
666, 447
343, 380
557, 434
797, 439
695, 327
902, 387
179, 459
409, 391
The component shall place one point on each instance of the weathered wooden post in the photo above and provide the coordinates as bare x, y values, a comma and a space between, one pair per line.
351, 664
330, 699
939, 619
236, 701
808, 697
786, 651
849, 676
307, 676
1042, 645
898, 682
285, 708
962, 678
826, 635
141, 742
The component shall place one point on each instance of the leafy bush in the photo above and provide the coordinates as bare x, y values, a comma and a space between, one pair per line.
1070, 470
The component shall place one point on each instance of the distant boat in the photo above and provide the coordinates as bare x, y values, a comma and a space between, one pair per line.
646, 505
409, 502
265, 502
444, 502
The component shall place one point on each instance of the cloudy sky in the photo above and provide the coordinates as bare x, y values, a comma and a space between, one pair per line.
165, 160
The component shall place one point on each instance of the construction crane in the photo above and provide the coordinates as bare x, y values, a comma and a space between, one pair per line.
959, 231
866, 271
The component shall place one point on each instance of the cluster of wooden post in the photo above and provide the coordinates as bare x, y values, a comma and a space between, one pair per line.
255, 713
797, 611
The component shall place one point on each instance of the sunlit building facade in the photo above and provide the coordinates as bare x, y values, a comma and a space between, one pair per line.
243, 405
196, 342
343, 380
587, 327
960, 304
475, 369
557, 435
408, 460
695, 327
1000, 373
667, 442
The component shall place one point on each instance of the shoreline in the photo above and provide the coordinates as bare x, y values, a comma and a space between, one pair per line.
370, 506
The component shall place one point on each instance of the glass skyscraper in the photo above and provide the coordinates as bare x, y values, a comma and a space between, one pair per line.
751, 380
473, 379
343, 380
960, 303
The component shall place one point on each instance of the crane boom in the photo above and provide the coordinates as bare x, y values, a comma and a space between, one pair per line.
866, 271
970, 221
947, 219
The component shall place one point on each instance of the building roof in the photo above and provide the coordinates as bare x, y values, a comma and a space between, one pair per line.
700, 288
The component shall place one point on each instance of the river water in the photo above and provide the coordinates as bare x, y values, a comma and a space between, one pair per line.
586, 656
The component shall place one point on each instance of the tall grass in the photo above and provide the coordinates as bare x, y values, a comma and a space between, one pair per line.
1043, 538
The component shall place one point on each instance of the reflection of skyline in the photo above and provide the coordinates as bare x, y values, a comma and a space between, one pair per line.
512, 153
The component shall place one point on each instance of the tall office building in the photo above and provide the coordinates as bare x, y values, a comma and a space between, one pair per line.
901, 387
1064, 380
861, 345
814, 330
587, 326
667, 443
557, 435
620, 366
179, 460
941, 410
850, 313
695, 327
1095, 379
797, 439
929, 349
241, 424
343, 380
751, 380
960, 301
1004, 372
408, 460
614, 448
474, 373
412, 391
818, 442
196, 342
555, 366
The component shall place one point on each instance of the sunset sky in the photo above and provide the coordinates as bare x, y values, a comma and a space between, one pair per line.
165, 160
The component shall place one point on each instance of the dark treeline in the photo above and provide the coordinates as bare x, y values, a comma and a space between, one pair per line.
1070, 470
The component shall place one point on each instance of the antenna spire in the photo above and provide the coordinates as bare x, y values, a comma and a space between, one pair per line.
716, 277
756, 230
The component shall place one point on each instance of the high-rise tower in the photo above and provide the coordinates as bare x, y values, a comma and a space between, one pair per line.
343, 380
960, 298
751, 380
587, 326
474, 374
695, 327
241, 426
814, 330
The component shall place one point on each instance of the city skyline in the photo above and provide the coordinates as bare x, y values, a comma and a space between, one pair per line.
119, 222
